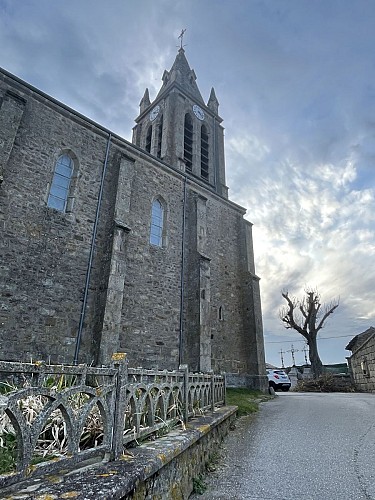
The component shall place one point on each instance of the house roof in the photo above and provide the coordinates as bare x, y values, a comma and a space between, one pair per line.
360, 339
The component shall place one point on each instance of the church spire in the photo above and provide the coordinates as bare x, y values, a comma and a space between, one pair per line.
213, 103
145, 101
183, 75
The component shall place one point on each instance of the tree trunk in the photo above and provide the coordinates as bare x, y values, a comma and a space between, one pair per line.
316, 363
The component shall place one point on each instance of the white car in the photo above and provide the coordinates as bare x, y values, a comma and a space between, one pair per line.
278, 379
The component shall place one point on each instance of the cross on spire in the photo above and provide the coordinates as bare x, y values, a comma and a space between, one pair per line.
305, 350
182, 37
282, 358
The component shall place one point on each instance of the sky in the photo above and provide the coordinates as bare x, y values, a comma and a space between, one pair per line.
296, 84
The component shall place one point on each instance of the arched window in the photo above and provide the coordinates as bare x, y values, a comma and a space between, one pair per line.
188, 142
157, 224
148, 139
204, 153
160, 136
59, 191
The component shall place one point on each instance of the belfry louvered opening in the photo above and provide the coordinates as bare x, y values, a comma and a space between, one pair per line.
160, 136
148, 139
204, 153
188, 143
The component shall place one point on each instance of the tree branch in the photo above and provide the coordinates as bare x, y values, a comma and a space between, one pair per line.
330, 311
288, 318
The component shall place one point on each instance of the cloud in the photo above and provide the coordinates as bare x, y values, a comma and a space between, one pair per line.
295, 82
313, 226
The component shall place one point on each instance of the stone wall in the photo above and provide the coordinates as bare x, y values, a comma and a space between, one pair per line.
44, 253
362, 364
151, 303
163, 469
174, 480
194, 300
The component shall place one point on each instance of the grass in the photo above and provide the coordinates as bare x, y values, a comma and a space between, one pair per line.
246, 400
8, 454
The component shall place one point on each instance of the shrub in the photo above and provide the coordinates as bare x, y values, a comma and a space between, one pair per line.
325, 383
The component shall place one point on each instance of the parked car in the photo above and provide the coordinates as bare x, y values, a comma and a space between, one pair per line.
278, 379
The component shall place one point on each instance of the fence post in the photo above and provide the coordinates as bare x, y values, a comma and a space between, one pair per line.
212, 390
224, 388
41, 372
185, 369
120, 363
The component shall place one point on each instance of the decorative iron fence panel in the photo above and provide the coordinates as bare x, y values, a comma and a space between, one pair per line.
67, 414
53, 408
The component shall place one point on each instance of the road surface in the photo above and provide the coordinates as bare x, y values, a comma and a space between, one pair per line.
309, 446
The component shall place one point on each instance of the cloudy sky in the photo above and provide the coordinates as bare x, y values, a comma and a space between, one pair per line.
296, 85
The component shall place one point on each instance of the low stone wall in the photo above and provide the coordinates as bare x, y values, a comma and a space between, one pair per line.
162, 470
254, 382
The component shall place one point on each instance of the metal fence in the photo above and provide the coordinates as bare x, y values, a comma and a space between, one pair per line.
55, 415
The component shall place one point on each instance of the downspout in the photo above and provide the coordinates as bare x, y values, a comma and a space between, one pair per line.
92, 249
215, 155
182, 287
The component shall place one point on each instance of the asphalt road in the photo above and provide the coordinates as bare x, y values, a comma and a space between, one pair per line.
303, 446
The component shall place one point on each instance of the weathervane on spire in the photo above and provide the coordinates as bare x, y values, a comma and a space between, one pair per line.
182, 37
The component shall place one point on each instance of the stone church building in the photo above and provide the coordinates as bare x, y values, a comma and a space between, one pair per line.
109, 246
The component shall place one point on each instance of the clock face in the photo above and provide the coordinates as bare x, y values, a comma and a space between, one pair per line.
199, 113
154, 113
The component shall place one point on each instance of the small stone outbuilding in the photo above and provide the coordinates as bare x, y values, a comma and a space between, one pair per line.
362, 361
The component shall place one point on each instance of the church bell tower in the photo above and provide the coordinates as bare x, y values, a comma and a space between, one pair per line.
181, 130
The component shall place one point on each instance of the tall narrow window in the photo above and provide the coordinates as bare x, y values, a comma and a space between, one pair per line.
221, 314
188, 142
204, 153
59, 192
157, 224
148, 139
160, 136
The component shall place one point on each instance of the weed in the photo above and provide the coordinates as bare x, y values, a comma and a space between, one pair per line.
246, 400
213, 461
199, 486
52, 441
8, 454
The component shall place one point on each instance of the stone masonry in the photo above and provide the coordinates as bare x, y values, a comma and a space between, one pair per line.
362, 361
194, 299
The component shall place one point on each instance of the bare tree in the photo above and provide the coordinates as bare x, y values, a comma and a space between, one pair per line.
307, 317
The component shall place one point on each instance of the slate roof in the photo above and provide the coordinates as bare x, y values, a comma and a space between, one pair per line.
360, 339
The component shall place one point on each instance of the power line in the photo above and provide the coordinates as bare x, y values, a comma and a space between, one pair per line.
291, 341
337, 337
282, 341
